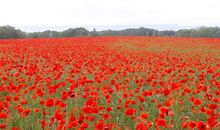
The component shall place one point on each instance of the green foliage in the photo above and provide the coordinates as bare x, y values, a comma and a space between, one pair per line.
130, 32
8, 32
200, 32
45, 34
75, 32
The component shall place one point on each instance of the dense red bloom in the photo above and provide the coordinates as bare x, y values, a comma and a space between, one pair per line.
100, 125
148, 93
107, 83
212, 106
184, 125
130, 111
3, 115
2, 126
175, 86
87, 109
201, 126
16, 98
212, 122
26, 112
84, 125
72, 122
90, 118
144, 115
91, 102
164, 109
64, 95
15, 128
192, 124
210, 112
42, 102
166, 91
58, 115
39, 92
161, 122
94, 110
8, 98
113, 81
142, 126
43, 123
197, 102
141, 99
109, 109
49, 102
60, 103
106, 116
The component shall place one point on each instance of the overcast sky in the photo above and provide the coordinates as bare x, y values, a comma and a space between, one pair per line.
109, 12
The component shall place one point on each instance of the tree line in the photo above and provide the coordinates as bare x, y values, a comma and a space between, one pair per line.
8, 32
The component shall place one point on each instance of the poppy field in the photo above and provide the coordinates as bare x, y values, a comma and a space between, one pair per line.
110, 83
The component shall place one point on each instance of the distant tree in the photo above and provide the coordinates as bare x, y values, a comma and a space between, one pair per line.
167, 33
10, 32
207, 31
200, 32
93, 32
7, 32
155, 33
194, 33
130, 32
75, 32
184, 33
45, 34
217, 34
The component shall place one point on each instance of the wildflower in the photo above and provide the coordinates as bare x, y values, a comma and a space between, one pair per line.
142, 126
130, 111
197, 102
144, 115
49, 102
192, 124
201, 126
3, 115
161, 122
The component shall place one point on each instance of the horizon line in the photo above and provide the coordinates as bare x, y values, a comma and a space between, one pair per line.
159, 27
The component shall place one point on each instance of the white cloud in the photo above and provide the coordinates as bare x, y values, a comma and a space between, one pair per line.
108, 12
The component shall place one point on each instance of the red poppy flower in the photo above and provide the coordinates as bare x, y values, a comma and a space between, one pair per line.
185, 125
130, 111
197, 102
201, 125
164, 110
100, 125
84, 125
161, 122
43, 123
49, 102
106, 116
58, 115
142, 126
148, 93
2, 126
64, 95
192, 124
3, 115
212, 106
15, 128
109, 109
144, 115
212, 122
